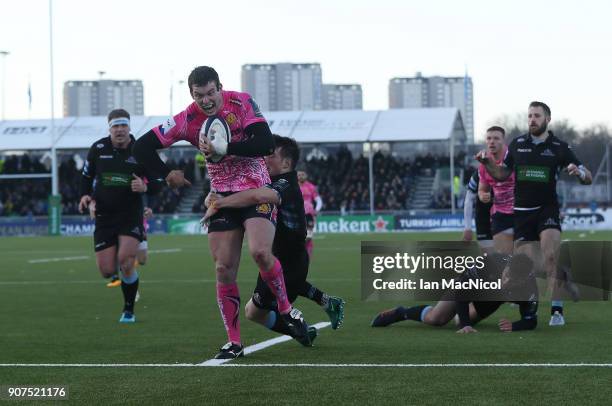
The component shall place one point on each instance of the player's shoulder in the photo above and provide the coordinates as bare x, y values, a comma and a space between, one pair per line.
235, 98
517, 141
558, 142
101, 143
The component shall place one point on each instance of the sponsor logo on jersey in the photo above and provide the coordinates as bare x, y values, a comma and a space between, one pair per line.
115, 179
167, 125
100, 146
527, 173
547, 152
523, 149
131, 160
106, 157
264, 208
231, 118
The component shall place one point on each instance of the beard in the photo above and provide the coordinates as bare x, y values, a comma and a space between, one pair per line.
540, 130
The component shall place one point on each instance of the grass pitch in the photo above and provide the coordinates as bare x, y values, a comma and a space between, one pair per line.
55, 309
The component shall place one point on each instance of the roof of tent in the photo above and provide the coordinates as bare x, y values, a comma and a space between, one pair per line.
331, 126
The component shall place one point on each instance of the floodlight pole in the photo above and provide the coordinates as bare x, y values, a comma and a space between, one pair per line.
4, 54
54, 174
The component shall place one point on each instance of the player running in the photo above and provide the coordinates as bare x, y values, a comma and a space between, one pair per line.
537, 158
241, 168
312, 207
119, 183
289, 241
502, 221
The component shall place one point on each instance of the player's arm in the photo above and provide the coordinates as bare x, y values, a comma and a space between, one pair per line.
484, 191
145, 152
248, 198
468, 209
575, 168
87, 178
259, 143
318, 203
499, 172
528, 321
463, 311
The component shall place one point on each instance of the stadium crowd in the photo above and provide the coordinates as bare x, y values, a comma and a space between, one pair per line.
29, 197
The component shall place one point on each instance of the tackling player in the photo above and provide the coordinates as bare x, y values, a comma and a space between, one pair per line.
241, 168
289, 241
537, 158
310, 194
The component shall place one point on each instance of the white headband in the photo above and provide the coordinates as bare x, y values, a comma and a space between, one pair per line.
119, 121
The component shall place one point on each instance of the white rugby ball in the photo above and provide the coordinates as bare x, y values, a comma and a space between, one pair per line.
217, 131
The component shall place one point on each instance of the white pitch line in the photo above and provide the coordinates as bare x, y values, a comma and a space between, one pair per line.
40, 261
260, 346
499, 365
166, 251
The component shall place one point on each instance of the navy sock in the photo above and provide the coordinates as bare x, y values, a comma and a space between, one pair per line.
412, 313
129, 287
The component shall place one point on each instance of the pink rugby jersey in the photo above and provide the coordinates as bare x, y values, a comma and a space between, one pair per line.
309, 193
232, 173
503, 192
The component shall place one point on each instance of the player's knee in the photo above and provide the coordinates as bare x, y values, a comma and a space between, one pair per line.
107, 271
250, 310
262, 257
225, 273
127, 263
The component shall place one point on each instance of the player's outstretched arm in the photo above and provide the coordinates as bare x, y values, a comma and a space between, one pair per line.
499, 172
248, 198
581, 172
145, 152
468, 204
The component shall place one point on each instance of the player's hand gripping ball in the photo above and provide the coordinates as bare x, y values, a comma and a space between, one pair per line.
216, 133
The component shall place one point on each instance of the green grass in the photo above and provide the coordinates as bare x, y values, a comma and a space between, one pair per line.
61, 312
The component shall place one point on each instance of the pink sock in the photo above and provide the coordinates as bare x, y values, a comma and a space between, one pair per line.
276, 282
228, 299
309, 247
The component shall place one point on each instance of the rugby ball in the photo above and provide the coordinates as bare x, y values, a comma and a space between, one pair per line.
215, 128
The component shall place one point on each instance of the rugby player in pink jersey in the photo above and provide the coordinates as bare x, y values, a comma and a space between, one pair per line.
242, 168
310, 195
502, 222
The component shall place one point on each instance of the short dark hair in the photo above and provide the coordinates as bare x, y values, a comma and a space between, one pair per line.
289, 149
497, 128
117, 113
543, 105
202, 75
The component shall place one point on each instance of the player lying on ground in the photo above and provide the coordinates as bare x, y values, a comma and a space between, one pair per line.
289, 241
517, 276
